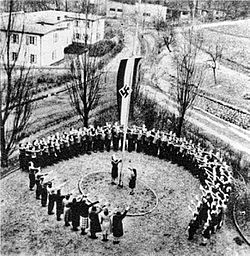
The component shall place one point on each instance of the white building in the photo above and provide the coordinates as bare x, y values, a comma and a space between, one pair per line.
152, 12
42, 36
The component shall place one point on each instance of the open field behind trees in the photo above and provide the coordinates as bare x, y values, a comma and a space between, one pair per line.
234, 72
236, 48
28, 230
232, 83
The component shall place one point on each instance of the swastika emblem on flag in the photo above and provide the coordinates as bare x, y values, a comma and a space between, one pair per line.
124, 91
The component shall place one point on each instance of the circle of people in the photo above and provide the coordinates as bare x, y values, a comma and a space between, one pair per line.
214, 174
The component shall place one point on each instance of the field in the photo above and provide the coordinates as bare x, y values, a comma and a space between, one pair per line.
28, 230
233, 73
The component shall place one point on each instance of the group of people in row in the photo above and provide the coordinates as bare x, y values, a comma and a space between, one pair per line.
214, 174
77, 210
216, 184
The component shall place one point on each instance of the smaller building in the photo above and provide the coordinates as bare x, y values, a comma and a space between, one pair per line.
152, 12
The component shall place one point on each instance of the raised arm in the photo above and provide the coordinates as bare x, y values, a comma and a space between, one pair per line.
96, 202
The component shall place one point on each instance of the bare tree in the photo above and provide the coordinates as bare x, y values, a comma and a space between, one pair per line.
190, 75
215, 53
15, 92
85, 89
169, 36
87, 73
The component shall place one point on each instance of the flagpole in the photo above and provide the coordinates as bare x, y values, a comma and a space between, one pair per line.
127, 112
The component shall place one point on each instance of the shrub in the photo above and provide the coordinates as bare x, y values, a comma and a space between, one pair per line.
101, 48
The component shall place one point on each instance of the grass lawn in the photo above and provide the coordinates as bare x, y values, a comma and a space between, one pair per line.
26, 229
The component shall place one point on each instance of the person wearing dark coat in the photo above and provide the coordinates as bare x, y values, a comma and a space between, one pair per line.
59, 204
39, 186
75, 214
32, 178
108, 137
117, 226
67, 214
192, 227
132, 180
44, 195
84, 214
52, 197
114, 170
115, 139
95, 226
22, 157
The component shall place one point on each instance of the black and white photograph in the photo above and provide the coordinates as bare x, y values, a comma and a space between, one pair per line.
125, 127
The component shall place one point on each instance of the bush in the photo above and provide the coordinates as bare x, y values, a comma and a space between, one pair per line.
101, 48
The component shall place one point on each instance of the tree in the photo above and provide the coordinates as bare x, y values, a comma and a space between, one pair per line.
85, 89
87, 74
31, 5
215, 53
169, 36
190, 74
15, 92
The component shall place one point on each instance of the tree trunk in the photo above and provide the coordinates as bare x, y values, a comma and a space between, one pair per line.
214, 72
4, 153
86, 118
180, 124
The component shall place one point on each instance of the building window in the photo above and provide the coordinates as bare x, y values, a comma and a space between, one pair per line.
78, 36
77, 23
98, 36
55, 37
31, 40
54, 55
15, 38
32, 58
14, 56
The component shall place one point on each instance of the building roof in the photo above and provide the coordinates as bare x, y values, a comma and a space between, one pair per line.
42, 22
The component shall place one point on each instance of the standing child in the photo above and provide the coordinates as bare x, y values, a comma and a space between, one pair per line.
105, 223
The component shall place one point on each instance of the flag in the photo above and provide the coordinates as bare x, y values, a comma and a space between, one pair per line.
126, 80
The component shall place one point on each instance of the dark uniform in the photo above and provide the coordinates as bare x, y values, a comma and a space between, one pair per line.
59, 205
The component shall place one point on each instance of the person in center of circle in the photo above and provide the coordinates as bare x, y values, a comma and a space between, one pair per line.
114, 170
132, 180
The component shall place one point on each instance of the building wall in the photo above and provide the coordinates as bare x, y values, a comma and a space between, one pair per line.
151, 12
95, 31
118, 10
53, 45
27, 47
